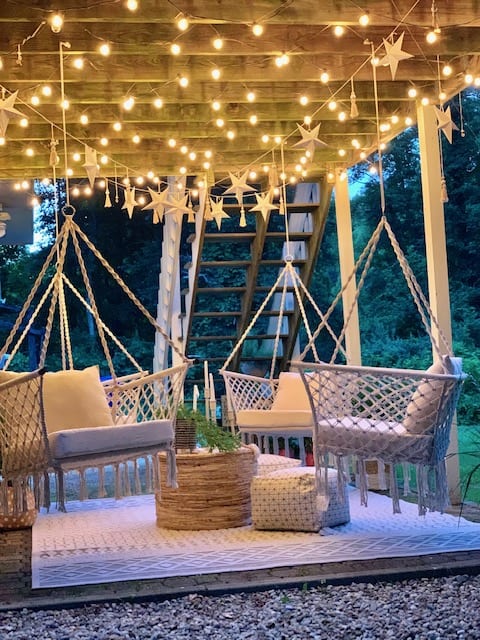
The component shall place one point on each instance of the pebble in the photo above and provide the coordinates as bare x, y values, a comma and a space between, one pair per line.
423, 609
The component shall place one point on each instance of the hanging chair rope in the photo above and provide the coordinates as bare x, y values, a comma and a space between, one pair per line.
128, 292
122, 348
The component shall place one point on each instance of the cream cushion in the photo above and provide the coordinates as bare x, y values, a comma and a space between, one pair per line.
291, 393
286, 500
422, 410
75, 399
274, 420
7, 376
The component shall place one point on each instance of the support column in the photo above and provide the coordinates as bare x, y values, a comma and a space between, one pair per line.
436, 252
347, 263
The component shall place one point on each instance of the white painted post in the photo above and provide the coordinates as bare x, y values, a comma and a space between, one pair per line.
436, 252
347, 263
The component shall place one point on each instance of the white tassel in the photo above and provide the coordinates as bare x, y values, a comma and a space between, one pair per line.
443, 190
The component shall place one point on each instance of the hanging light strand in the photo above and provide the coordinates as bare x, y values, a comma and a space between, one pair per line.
377, 118
64, 120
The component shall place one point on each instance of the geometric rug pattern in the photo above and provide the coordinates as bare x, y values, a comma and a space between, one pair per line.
107, 540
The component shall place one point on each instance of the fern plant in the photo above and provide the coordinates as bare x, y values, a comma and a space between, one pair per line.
208, 433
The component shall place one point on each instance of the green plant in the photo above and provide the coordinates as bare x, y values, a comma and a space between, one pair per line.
209, 434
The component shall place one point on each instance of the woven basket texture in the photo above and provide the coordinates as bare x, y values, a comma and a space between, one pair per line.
213, 491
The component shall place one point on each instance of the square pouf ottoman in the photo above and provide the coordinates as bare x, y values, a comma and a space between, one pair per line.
270, 462
286, 500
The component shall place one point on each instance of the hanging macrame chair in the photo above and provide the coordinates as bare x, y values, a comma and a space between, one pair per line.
395, 415
70, 420
268, 411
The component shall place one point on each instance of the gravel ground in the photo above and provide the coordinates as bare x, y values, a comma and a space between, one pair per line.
426, 609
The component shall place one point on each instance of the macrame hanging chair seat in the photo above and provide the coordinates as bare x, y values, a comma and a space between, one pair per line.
55, 422
392, 414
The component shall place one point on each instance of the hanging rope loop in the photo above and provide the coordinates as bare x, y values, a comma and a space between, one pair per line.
69, 211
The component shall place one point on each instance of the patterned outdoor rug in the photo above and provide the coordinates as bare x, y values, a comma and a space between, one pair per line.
109, 541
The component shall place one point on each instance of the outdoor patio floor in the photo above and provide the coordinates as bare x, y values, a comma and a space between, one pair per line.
386, 569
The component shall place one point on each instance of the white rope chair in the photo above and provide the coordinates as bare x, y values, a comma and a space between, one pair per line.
395, 415
79, 422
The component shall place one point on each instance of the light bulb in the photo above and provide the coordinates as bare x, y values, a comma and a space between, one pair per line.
175, 49
183, 81
217, 43
158, 103
230, 134
35, 100
324, 77
84, 119
216, 73
128, 103
117, 126
431, 37
216, 105
104, 49
257, 29
303, 100
338, 30
79, 63
251, 96
182, 22
47, 90
56, 22
253, 119
364, 19
132, 5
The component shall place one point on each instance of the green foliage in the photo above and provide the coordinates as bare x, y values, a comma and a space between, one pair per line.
209, 433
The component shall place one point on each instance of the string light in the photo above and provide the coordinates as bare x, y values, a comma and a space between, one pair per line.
84, 119
282, 60
46, 90
251, 96
56, 22
217, 43
175, 49
253, 119
216, 105
104, 49
364, 19
303, 100
182, 22
216, 73
35, 100
257, 29
78, 63
128, 103
183, 81
324, 77
338, 30
132, 5
158, 103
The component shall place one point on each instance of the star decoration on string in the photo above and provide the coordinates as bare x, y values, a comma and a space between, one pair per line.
310, 140
239, 186
177, 207
90, 165
7, 112
158, 204
394, 54
264, 205
445, 122
130, 202
217, 212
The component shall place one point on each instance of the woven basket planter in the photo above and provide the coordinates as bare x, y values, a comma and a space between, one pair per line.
185, 435
22, 519
213, 491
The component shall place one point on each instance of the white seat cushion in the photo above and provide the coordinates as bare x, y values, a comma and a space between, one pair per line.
75, 443
274, 420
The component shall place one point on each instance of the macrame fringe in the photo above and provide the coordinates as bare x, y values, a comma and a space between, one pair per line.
394, 490
362, 481
321, 482
341, 480
442, 498
422, 488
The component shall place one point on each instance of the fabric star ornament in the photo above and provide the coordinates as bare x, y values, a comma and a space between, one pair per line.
310, 140
394, 54
90, 165
264, 205
7, 112
130, 202
158, 204
239, 186
177, 207
217, 212
445, 122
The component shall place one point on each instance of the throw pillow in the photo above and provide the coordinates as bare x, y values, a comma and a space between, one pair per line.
74, 399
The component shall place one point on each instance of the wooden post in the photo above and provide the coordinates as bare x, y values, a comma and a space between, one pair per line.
436, 252
347, 263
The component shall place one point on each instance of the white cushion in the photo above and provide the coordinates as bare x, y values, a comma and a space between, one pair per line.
75, 443
422, 410
75, 399
286, 500
274, 420
269, 462
373, 438
291, 393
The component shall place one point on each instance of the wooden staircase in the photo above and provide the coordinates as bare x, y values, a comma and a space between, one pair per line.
231, 272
